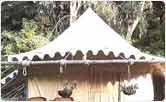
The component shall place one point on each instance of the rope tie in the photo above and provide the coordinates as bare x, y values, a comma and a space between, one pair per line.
131, 62
86, 60
24, 71
62, 63
25, 64
129, 73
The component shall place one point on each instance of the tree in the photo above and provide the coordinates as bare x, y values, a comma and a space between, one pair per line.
18, 42
13, 12
25, 40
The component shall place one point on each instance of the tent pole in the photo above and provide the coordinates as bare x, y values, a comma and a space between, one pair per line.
82, 62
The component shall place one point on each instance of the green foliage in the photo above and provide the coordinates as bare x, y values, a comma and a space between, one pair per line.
12, 13
149, 34
105, 11
27, 39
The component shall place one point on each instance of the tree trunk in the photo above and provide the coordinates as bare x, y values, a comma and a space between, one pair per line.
74, 7
132, 27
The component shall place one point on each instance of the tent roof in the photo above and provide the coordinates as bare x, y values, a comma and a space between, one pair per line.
89, 32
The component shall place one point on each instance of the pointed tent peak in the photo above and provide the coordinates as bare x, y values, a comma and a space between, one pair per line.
89, 8
88, 16
89, 11
90, 19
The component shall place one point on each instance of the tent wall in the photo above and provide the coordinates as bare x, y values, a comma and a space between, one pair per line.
91, 84
95, 83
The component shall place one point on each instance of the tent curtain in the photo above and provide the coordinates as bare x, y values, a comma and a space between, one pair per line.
94, 82
92, 85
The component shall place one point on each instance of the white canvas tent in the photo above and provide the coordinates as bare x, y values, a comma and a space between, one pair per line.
88, 34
